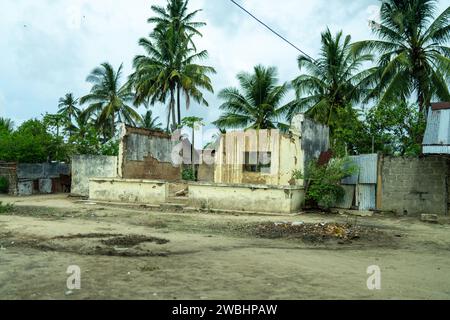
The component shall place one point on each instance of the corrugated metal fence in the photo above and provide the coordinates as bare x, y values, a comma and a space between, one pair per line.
360, 189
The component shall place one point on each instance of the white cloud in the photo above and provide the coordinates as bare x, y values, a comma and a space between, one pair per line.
48, 47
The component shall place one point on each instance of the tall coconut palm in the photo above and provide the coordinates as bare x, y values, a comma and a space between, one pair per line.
175, 16
150, 123
108, 100
68, 108
334, 81
414, 57
169, 68
257, 104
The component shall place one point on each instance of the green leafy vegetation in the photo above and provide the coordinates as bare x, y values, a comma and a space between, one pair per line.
323, 181
188, 174
6, 208
4, 185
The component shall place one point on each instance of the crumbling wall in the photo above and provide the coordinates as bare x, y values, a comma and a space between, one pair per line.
85, 167
315, 137
414, 185
147, 154
205, 173
42, 178
8, 171
283, 152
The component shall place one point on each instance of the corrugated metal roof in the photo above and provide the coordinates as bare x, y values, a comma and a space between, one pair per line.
437, 134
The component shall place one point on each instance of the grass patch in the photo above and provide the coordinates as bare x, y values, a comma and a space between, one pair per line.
6, 208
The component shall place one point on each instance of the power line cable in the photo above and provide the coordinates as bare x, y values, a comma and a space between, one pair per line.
272, 30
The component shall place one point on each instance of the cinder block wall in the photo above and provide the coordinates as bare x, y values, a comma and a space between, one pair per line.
414, 185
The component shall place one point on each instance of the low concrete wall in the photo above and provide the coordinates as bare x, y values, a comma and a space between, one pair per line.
414, 185
253, 198
129, 191
85, 167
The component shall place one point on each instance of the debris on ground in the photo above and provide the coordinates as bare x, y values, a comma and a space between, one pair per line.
132, 240
315, 232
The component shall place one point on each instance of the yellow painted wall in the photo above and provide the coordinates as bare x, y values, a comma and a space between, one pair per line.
128, 191
286, 156
249, 198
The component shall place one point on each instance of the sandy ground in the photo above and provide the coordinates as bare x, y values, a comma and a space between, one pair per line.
208, 256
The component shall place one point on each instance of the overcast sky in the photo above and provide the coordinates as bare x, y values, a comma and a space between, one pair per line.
48, 47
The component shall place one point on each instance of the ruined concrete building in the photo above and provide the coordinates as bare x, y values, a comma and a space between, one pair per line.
269, 157
247, 170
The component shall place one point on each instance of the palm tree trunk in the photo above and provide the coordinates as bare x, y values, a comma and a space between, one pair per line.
172, 106
179, 104
168, 118
113, 129
193, 152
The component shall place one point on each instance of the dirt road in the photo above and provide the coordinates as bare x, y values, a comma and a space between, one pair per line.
135, 253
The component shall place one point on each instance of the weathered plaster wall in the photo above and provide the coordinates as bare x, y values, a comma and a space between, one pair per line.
36, 171
250, 198
285, 153
315, 138
85, 167
146, 154
414, 185
129, 191
42, 178
205, 173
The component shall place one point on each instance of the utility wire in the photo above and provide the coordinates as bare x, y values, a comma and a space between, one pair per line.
272, 30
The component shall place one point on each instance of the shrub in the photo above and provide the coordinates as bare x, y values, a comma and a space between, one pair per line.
323, 181
188, 174
5, 208
4, 185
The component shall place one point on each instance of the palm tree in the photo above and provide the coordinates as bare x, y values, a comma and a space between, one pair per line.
414, 58
108, 101
257, 104
150, 123
68, 108
175, 16
332, 82
193, 123
6, 125
169, 68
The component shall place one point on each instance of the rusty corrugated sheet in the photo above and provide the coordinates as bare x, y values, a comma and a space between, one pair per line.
347, 200
366, 196
367, 170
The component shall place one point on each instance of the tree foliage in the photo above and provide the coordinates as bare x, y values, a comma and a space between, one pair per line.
257, 104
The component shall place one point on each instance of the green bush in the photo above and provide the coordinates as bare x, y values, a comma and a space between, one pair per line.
323, 182
188, 175
4, 185
5, 208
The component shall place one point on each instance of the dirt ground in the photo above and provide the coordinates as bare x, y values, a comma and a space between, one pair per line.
136, 253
